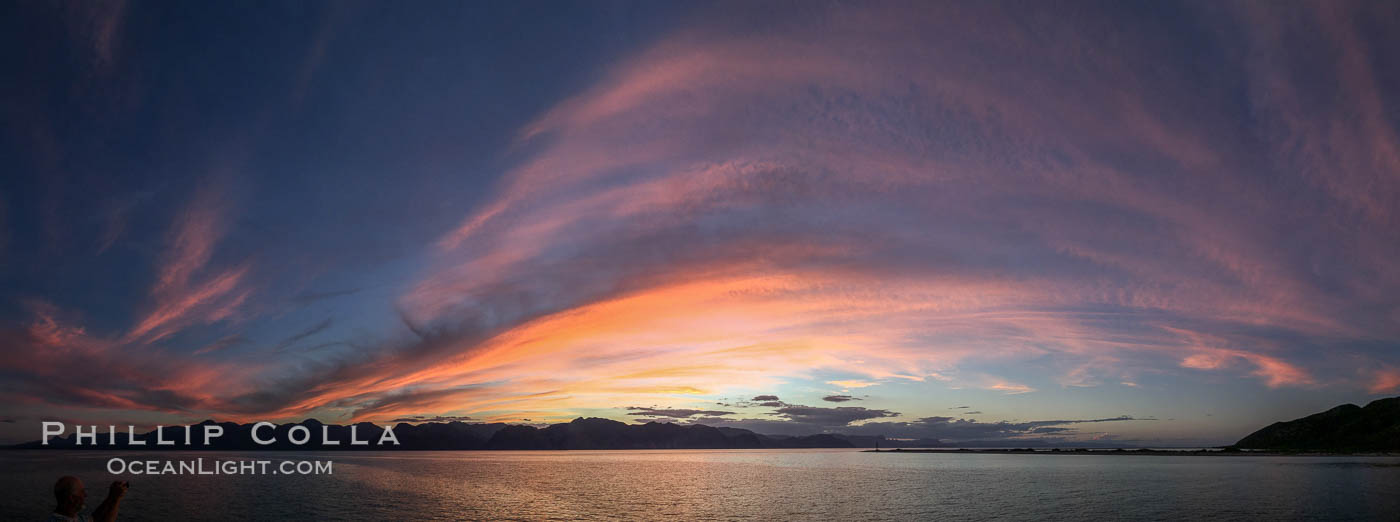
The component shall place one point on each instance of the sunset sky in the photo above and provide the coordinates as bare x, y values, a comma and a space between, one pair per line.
1141, 222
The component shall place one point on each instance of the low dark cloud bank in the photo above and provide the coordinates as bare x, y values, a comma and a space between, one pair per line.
435, 418
673, 413
849, 420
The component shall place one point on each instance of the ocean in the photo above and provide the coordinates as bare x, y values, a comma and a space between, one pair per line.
719, 485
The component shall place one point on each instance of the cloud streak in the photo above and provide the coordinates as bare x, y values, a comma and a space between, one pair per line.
960, 196
879, 176
179, 301
673, 413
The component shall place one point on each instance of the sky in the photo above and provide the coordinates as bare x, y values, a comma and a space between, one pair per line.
1142, 223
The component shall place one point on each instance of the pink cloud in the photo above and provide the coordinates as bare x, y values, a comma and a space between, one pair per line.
195, 233
782, 127
1385, 381
1274, 371
65, 365
1011, 388
866, 196
176, 309
179, 301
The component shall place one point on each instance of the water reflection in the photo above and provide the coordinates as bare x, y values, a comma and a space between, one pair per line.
743, 484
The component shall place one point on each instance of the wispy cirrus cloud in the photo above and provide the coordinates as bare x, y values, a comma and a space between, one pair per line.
1092, 235
724, 208
299, 336
186, 290
56, 362
97, 27
954, 195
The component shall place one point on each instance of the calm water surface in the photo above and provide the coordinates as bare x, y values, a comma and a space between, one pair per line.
730, 485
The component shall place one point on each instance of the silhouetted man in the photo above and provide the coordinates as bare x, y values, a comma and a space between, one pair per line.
71, 497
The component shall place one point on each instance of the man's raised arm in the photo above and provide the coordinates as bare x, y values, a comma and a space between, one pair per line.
107, 511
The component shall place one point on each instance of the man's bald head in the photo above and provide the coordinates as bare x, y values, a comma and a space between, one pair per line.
69, 491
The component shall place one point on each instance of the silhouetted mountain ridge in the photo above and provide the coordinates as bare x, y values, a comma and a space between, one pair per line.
1346, 428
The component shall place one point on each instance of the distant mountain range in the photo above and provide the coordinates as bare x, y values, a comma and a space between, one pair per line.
580, 434
1346, 428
